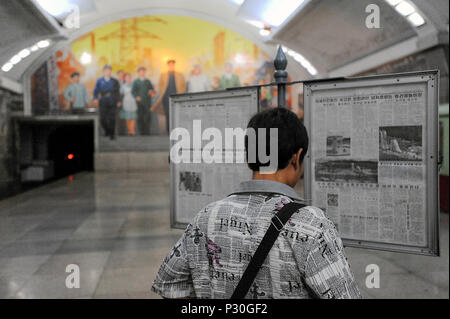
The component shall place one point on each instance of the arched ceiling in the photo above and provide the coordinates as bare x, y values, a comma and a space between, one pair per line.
332, 33
95, 13
29, 26
329, 33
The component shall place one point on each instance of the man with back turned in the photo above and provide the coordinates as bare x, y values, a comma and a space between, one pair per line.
306, 258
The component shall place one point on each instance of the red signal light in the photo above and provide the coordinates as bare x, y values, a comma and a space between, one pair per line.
70, 156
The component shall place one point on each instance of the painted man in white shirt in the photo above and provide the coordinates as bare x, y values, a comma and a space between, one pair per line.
198, 82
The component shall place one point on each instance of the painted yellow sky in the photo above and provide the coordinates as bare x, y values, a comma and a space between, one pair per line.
187, 40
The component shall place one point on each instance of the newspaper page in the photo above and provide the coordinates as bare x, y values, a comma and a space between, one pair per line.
367, 160
196, 184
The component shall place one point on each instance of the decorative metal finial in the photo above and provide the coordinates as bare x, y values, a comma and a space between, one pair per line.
280, 61
281, 75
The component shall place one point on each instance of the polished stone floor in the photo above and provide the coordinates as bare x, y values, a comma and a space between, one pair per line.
134, 143
115, 227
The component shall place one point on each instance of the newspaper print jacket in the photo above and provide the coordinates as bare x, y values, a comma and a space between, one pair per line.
306, 261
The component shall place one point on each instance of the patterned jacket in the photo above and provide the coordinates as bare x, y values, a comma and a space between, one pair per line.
306, 261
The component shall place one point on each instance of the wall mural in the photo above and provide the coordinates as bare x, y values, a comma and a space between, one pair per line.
200, 55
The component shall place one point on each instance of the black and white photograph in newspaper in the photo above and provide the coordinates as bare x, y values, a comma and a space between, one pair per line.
401, 143
338, 145
190, 182
347, 171
333, 200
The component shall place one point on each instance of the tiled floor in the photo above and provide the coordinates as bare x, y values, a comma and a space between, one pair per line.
134, 143
115, 226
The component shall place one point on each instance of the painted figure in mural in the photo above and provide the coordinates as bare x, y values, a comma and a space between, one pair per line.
121, 77
76, 95
107, 97
198, 82
120, 123
229, 79
215, 83
170, 82
129, 105
266, 96
143, 92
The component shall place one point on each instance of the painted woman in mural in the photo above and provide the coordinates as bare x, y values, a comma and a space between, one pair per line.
129, 105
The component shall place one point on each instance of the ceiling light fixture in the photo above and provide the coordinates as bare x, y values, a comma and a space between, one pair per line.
43, 44
408, 10
416, 19
56, 8
393, 2
276, 12
23, 54
15, 59
7, 66
404, 8
301, 59
264, 32
258, 24
238, 2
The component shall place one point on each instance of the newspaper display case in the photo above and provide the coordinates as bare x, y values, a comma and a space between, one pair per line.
373, 159
194, 185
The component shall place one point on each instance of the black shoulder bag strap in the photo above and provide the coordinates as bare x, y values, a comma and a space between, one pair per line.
276, 225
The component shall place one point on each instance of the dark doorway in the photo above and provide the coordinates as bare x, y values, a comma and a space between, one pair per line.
71, 148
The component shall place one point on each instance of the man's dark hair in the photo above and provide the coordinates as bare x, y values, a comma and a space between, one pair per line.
292, 135
74, 74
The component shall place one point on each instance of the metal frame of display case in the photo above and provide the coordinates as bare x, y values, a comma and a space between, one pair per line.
431, 80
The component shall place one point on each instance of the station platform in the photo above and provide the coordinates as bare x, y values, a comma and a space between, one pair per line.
115, 226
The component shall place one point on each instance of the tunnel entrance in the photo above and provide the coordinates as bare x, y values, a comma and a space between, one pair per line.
71, 149
47, 148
